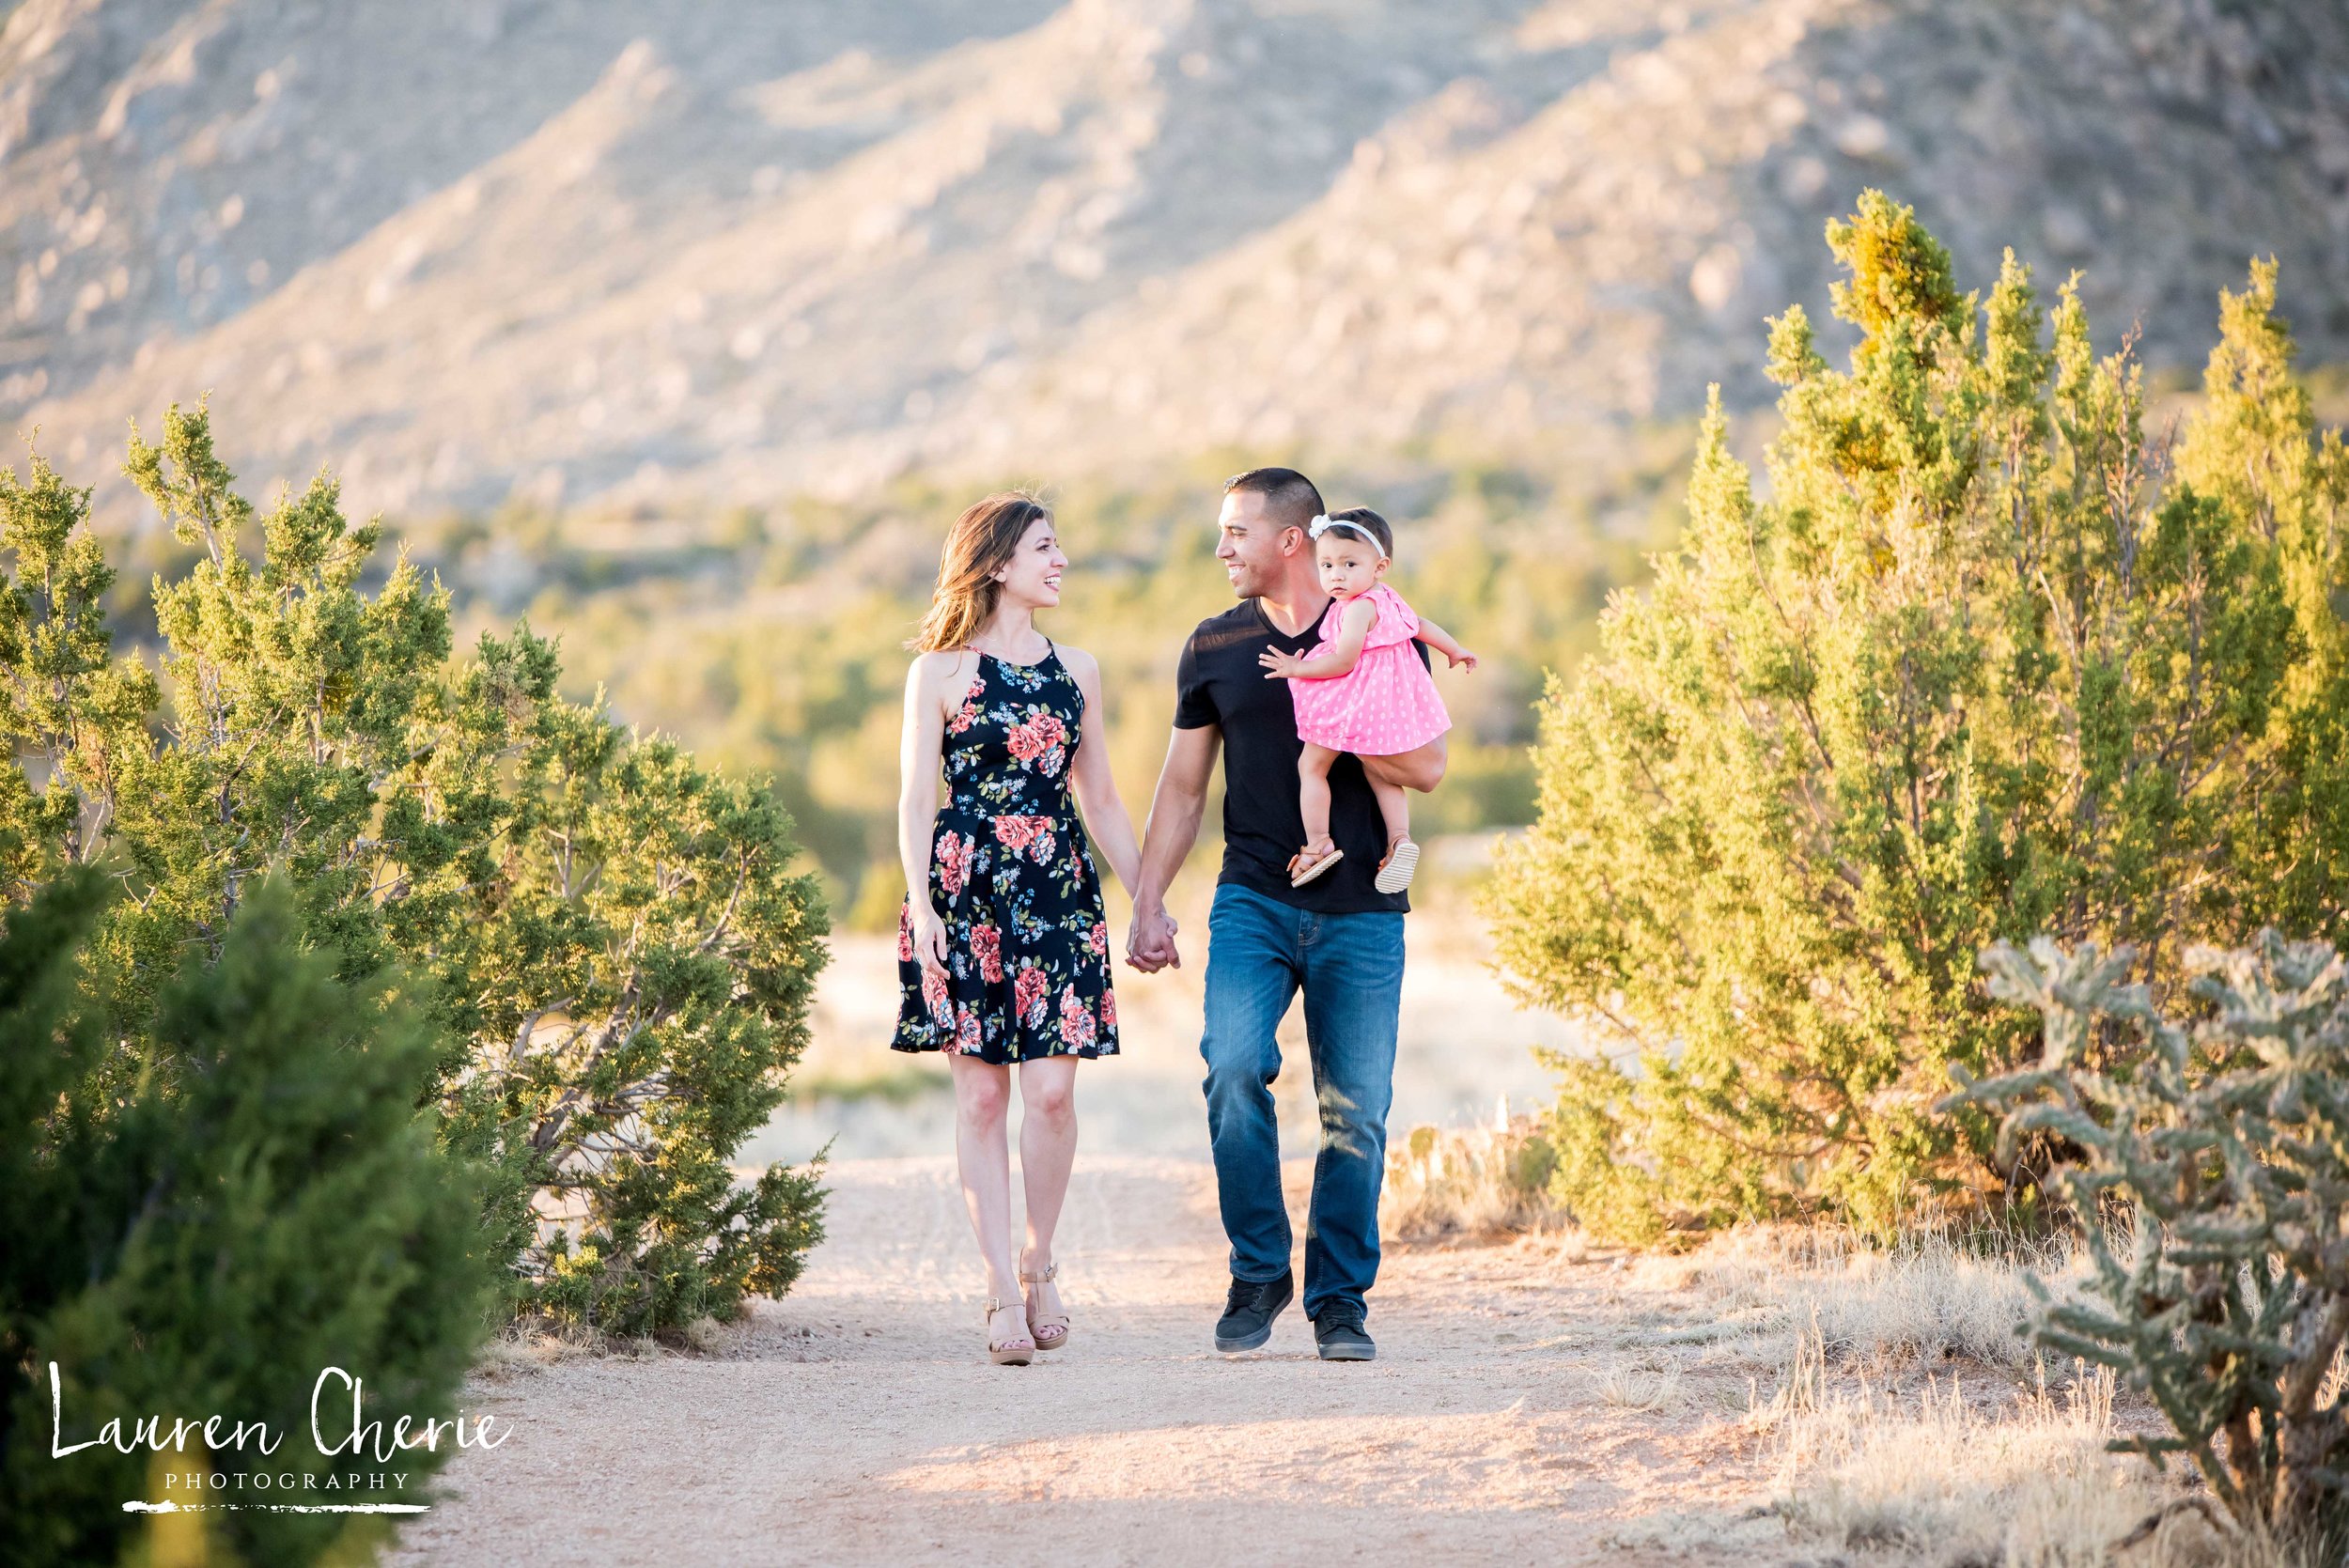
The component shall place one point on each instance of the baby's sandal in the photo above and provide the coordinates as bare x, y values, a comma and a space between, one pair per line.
1305, 864
1395, 871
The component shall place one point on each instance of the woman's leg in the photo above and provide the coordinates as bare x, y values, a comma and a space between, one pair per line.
1048, 1147
982, 1096
1312, 790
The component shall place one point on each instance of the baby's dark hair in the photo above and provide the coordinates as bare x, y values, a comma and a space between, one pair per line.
1372, 520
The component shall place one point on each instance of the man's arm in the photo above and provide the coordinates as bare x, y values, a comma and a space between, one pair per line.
1175, 809
1421, 768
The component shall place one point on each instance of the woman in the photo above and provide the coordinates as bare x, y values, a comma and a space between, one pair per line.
1003, 949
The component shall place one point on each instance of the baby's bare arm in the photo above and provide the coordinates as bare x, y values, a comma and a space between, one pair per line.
1444, 643
1354, 623
1438, 639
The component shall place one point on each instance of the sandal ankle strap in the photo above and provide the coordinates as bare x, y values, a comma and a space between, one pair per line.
1040, 1279
993, 1307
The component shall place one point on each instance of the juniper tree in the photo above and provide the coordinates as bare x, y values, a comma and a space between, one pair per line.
621, 952
258, 1203
1985, 663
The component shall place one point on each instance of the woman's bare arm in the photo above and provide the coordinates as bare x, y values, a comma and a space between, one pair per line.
920, 751
1105, 813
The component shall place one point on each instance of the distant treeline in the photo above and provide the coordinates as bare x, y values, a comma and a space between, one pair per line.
769, 638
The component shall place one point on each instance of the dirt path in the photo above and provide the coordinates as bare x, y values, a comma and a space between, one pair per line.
855, 1421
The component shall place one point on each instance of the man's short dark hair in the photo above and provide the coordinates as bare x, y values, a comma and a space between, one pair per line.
1289, 497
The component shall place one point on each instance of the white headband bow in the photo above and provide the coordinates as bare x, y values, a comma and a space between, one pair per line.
1322, 524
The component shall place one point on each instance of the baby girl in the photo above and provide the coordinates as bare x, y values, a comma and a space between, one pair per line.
1362, 689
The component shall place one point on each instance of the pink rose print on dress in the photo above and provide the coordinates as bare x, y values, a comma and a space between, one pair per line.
905, 933
954, 862
1038, 739
1076, 1019
1028, 994
1097, 940
934, 994
1109, 1009
1016, 833
1033, 834
965, 717
986, 946
966, 1030
1025, 739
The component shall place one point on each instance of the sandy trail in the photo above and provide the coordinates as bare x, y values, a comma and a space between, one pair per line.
857, 1421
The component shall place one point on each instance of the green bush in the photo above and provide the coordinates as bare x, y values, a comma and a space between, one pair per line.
622, 955
2228, 1147
1986, 662
256, 1200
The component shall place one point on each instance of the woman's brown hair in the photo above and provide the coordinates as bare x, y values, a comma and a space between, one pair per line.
979, 545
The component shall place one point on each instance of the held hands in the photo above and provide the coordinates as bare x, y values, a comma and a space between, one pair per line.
1279, 665
1150, 941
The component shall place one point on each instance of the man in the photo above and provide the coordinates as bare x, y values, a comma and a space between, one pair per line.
1337, 938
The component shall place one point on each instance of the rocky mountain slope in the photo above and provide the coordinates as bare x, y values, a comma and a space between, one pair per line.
604, 249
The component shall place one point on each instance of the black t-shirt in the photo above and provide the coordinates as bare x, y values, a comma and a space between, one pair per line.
1219, 682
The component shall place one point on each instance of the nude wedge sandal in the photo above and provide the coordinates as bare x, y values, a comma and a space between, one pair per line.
1007, 1353
1048, 1330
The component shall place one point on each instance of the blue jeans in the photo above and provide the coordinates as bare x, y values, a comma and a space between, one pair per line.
1260, 951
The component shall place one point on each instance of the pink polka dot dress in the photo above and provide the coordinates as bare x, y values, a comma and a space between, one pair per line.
1385, 704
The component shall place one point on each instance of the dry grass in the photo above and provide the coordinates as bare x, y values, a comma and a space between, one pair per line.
530, 1346
1934, 1298
1904, 1417
1910, 1421
1966, 1467
1903, 1410
2022, 1483
1905, 1413
1928, 1300
1474, 1181
1644, 1385
2023, 1480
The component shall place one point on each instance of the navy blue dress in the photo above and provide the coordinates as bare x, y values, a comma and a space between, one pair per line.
1027, 943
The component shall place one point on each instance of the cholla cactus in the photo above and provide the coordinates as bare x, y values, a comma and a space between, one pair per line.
2229, 1146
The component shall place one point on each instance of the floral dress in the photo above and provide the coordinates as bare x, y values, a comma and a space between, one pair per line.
1027, 944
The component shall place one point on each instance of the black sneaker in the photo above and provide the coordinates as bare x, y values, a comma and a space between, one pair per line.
1339, 1333
1249, 1312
